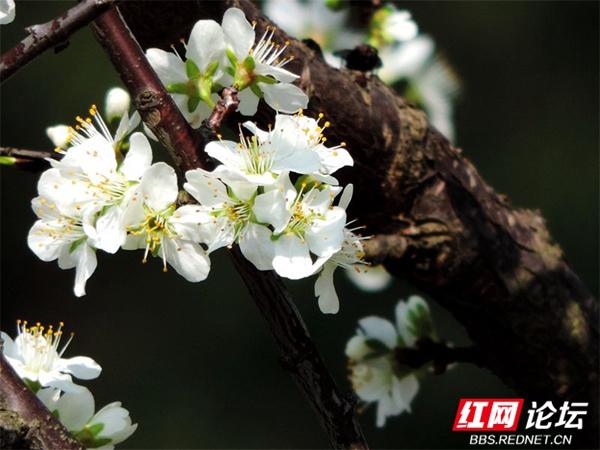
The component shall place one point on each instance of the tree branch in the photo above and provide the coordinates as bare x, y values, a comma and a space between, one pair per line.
50, 34
336, 412
30, 160
439, 354
24, 421
437, 222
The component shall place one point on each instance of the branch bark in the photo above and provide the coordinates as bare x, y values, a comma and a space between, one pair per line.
437, 222
24, 421
335, 411
30, 160
51, 34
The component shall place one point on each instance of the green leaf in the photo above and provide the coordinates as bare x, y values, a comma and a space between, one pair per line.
231, 56
254, 88
211, 69
76, 244
96, 428
7, 160
178, 88
191, 69
193, 103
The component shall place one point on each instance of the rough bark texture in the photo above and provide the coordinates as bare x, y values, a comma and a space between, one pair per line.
25, 423
437, 223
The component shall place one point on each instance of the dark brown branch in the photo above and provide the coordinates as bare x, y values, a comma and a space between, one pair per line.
494, 266
30, 160
25, 422
50, 35
438, 354
335, 412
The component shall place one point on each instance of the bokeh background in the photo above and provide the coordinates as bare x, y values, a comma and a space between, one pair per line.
194, 363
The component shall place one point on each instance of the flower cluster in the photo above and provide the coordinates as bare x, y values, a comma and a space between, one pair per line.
376, 375
36, 356
228, 55
273, 194
408, 58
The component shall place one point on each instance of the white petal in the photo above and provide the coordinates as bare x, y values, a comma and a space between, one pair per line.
116, 421
404, 391
404, 310
206, 189
284, 97
7, 11
333, 159
58, 134
346, 196
278, 73
159, 187
138, 158
86, 264
325, 237
188, 259
44, 244
110, 230
75, 409
379, 329
206, 44
189, 222
168, 66
80, 367
370, 279
271, 208
257, 247
226, 152
329, 302
239, 33
116, 103
248, 102
95, 156
357, 348
292, 258
262, 136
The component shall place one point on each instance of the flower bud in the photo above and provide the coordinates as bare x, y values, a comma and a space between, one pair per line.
58, 134
117, 103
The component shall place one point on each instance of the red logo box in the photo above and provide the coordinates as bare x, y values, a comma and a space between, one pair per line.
488, 414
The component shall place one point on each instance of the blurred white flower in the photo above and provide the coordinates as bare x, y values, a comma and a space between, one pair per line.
375, 374
371, 278
36, 357
75, 410
155, 224
116, 103
59, 135
390, 25
7, 11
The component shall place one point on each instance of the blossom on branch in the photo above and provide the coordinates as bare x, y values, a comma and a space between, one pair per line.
35, 354
7, 11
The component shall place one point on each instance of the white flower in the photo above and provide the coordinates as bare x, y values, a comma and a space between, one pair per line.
310, 227
90, 179
299, 143
102, 430
59, 135
163, 230
117, 103
371, 279
313, 19
7, 11
431, 81
191, 81
257, 69
397, 25
375, 375
36, 357
227, 216
59, 234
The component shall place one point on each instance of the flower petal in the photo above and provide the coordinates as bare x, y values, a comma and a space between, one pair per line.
248, 102
325, 237
256, 245
138, 158
168, 66
271, 207
379, 329
207, 189
206, 44
110, 230
329, 302
292, 257
284, 97
159, 186
279, 73
404, 391
80, 367
75, 409
187, 258
86, 265
239, 33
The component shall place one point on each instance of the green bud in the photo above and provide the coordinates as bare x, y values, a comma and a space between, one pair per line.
7, 160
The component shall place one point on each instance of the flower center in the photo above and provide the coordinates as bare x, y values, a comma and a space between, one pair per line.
39, 345
155, 227
256, 159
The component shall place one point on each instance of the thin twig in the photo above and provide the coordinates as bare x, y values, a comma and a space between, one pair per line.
33, 426
30, 160
439, 354
336, 412
50, 34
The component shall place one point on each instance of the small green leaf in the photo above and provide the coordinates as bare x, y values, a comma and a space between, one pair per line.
178, 88
193, 103
96, 428
254, 88
231, 56
7, 160
211, 69
191, 69
76, 244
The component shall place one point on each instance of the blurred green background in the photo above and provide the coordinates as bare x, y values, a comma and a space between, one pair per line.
194, 363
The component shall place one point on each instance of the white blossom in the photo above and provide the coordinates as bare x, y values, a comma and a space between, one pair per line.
7, 11
75, 410
36, 357
155, 224
375, 375
116, 103
256, 68
370, 279
59, 135
391, 25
